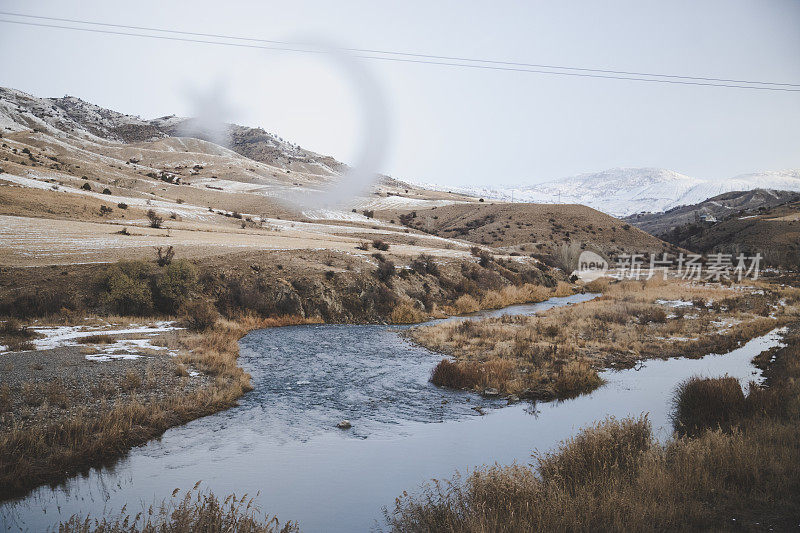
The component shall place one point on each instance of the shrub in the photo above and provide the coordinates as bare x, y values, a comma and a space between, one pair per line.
456, 375
86, 187
607, 448
652, 314
126, 288
575, 378
13, 328
174, 285
380, 245
699, 404
106, 191
406, 313
199, 315
19, 345
39, 302
155, 219
385, 270
122, 205
466, 304
425, 264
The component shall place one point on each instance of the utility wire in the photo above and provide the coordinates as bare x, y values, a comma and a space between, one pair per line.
407, 57
407, 54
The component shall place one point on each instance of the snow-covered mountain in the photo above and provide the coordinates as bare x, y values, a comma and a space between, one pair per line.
626, 191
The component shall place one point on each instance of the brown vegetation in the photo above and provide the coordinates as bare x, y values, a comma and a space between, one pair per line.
616, 477
407, 314
195, 511
558, 353
16, 336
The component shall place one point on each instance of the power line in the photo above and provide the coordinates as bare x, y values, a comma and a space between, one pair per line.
406, 54
364, 54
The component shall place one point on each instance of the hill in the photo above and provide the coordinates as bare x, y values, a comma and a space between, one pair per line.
738, 203
538, 228
772, 232
101, 172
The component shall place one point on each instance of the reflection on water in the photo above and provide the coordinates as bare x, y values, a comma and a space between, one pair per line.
282, 439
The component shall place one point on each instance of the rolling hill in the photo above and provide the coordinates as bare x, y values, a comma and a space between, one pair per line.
538, 228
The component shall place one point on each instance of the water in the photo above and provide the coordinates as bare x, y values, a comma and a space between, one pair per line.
282, 441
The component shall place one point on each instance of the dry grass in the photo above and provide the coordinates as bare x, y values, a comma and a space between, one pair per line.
97, 339
407, 314
32, 456
15, 336
513, 294
195, 511
576, 378
703, 403
509, 295
456, 375
465, 304
5, 398
558, 353
614, 476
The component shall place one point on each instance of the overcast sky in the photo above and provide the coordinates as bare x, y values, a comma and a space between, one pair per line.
452, 126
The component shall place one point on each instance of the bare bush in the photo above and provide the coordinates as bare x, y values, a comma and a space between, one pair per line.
155, 220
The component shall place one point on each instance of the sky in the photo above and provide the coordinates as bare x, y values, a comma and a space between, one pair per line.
445, 125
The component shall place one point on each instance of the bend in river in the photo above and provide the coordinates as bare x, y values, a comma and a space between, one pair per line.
282, 441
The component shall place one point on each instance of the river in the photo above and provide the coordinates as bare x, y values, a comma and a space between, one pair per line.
282, 444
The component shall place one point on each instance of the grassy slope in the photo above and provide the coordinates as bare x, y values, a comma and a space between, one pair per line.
522, 227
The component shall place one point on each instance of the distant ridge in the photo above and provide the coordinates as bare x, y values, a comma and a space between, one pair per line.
627, 191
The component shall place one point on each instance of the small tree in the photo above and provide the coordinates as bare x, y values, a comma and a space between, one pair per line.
174, 286
164, 257
155, 219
